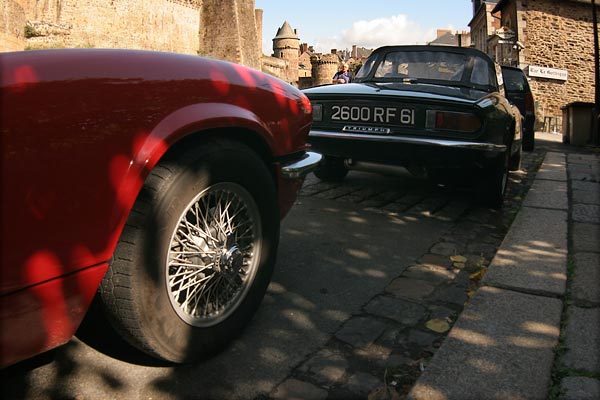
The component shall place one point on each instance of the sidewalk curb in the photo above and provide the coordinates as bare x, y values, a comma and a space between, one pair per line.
502, 345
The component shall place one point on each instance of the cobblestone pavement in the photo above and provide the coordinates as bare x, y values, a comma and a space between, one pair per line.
393, 331
380, 353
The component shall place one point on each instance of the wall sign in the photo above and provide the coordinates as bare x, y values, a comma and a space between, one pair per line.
549, 73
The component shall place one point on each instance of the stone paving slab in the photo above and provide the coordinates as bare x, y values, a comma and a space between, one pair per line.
585, 287
585, 167
584, 172
402, 311
360, 331
549, 190
583, 158
360, 384
326, 367
553, 168
580, 388
583, 339
586, 237
501, 347
586, 213
586, 192
533, 255
547, 194
293, 389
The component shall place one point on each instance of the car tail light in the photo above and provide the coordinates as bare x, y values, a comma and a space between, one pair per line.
305, 105
317, 112
452, 121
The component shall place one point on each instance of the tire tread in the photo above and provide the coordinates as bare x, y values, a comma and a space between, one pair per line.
118, 291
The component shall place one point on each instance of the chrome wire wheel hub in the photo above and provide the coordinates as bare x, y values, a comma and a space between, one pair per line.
213, 254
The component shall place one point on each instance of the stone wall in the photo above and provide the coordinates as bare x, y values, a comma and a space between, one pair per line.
559, 34
304, 66
165, 25
274, 66
12, 26
228, 31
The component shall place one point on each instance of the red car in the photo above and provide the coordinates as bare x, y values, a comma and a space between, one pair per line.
154, 180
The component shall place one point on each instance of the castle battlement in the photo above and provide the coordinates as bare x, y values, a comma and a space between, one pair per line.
195, 4
228, 30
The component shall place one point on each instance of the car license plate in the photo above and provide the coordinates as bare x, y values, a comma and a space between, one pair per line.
373, 114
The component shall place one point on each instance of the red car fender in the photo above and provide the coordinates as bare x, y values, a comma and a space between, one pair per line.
197, 118
128, 175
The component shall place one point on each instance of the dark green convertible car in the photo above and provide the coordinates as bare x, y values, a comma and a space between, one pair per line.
436, 111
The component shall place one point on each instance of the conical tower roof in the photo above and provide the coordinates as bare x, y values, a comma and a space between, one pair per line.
286, 32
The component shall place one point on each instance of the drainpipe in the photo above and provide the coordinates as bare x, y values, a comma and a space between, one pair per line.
596, 128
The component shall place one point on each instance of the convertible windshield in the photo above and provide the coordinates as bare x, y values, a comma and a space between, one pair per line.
428, 66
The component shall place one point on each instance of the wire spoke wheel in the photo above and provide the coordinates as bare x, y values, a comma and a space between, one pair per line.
197, 253
213, 254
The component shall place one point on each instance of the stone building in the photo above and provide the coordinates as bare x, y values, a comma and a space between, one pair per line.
286, 46
359, 53
304, 65
552, 41
483, 25
445, 37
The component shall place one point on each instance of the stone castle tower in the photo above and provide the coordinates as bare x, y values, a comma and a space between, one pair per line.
231, 30
286, 46
323, 68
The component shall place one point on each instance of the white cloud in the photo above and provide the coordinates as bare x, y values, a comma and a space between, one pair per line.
325, 44
397, 29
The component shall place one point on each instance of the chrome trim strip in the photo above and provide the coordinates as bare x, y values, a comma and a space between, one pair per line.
366, 129
496, 148
299, 168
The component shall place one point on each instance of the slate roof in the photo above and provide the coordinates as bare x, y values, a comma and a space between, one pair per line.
286, 32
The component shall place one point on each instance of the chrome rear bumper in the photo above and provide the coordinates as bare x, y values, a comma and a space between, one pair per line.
487, 147
299, 168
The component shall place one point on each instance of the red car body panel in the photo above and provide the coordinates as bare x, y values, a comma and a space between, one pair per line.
81, 130
47, 314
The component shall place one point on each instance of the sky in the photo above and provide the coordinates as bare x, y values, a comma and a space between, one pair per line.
334, 24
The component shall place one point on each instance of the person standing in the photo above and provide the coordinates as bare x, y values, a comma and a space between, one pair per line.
342, 76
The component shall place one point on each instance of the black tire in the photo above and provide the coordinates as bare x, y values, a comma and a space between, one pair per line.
528, 140
515, 160
495, 181
174, 240
331, 169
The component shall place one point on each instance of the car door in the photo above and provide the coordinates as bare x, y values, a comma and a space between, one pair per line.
519, 93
